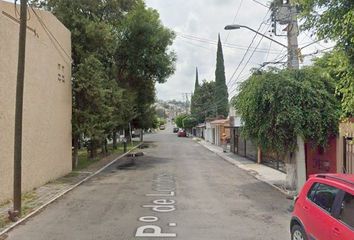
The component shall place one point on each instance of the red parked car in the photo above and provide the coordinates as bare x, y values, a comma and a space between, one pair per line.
324, 209
182, 133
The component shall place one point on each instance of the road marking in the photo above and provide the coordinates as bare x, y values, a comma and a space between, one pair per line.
163, 185
148, 219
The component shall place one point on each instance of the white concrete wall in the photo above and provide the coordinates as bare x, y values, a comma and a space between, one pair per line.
208, 133
237, 122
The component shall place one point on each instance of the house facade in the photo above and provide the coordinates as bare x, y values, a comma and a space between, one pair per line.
46, 153
200, 130
218, 128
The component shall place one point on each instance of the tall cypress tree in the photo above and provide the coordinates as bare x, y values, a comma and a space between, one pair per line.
194, 96
222, 96
196, 86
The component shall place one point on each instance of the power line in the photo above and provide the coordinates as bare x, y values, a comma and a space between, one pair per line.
280, 61
51, 35
239, 81
270, 45
249, 47
228, 45
246, 76
244, 67
262, 4
196, 45
234, 20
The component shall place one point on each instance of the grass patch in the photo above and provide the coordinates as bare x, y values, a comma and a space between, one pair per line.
85, 161
4, 221
30, 196
71, 175
27, 198
26, 210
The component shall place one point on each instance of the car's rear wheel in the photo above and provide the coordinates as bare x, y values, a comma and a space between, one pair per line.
298, 233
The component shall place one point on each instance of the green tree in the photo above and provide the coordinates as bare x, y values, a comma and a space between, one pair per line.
189, 122
195, 93
279, 105
89, 119
204, 103
143, 58
222, 96
334, 19
196, 84
186, 121
336, 64
96, 97
126, 46
179, 120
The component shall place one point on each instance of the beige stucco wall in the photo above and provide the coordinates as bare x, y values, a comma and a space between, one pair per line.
47, 100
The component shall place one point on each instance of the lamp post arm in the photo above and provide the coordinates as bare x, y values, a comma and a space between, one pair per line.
271, 39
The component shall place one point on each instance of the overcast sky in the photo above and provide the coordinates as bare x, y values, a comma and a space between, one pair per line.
197, 24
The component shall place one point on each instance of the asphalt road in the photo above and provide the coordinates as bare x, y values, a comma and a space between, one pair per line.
178, 190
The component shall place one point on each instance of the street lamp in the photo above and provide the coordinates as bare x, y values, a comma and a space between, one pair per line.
237, 26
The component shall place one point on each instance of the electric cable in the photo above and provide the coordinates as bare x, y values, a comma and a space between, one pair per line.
234, 20
244, 67
51, 35
245, 54
228, 45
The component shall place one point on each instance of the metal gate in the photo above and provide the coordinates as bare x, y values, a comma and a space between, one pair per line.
348, 163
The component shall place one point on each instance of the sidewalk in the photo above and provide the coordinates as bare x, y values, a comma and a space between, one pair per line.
34, 201
263, 173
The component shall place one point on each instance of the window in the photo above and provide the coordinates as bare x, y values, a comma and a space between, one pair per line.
324, 196
347, 210
312, 191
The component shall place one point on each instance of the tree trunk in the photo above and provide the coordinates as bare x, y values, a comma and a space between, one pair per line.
141, 135
93, 148
127, 135
106, 145
115, 140
75, 157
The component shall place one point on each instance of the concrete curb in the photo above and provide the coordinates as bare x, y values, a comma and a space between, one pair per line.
6, 230
241, 166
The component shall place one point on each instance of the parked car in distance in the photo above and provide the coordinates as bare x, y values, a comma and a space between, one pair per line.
324, 209
162, 127
136, 133
181, 133
175, 130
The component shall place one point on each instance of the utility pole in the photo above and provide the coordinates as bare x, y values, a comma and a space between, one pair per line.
187, 103
293, 63
287, 14
292, 33
19, 113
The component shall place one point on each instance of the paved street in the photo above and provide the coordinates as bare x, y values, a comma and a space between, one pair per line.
178, 190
